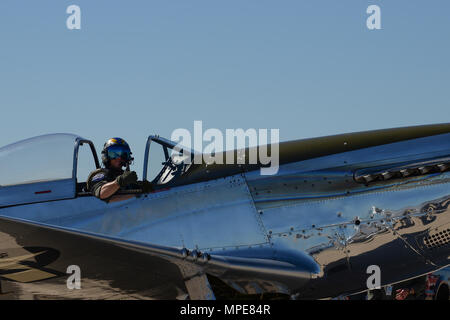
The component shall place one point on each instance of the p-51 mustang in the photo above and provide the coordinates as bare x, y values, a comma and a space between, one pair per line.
338, 206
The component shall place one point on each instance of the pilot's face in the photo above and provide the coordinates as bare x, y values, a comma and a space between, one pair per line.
116, 163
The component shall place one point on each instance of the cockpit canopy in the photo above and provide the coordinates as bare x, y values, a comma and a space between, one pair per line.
38, 159
44, 168
56, 166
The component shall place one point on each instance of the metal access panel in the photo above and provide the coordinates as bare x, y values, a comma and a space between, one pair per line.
210, 215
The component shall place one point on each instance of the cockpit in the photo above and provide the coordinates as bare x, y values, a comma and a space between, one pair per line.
176, 160
56, 166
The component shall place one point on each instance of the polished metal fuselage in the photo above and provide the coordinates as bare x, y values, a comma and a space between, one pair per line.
312, 214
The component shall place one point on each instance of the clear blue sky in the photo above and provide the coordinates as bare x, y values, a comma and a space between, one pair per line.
307, 67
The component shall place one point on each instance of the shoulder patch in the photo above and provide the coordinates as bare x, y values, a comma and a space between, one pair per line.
98, 177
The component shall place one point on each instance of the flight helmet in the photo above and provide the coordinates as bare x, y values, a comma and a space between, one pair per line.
115, 148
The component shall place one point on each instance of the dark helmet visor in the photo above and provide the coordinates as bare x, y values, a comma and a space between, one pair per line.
119, 151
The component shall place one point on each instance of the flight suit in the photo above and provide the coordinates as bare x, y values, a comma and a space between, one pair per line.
100, 177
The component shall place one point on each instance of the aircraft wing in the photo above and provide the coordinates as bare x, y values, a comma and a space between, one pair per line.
36, 260
36, 257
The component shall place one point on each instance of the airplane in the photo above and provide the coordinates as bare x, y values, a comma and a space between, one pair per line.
338, 206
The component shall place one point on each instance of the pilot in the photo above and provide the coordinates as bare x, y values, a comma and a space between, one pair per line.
105, 182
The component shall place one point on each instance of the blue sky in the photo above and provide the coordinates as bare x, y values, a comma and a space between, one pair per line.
306, 67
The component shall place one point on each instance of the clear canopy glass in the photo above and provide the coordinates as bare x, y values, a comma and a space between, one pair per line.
43, 158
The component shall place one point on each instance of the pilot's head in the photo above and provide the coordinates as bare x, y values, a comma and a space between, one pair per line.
116, 153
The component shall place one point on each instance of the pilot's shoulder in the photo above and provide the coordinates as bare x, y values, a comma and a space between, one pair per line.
96, 176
